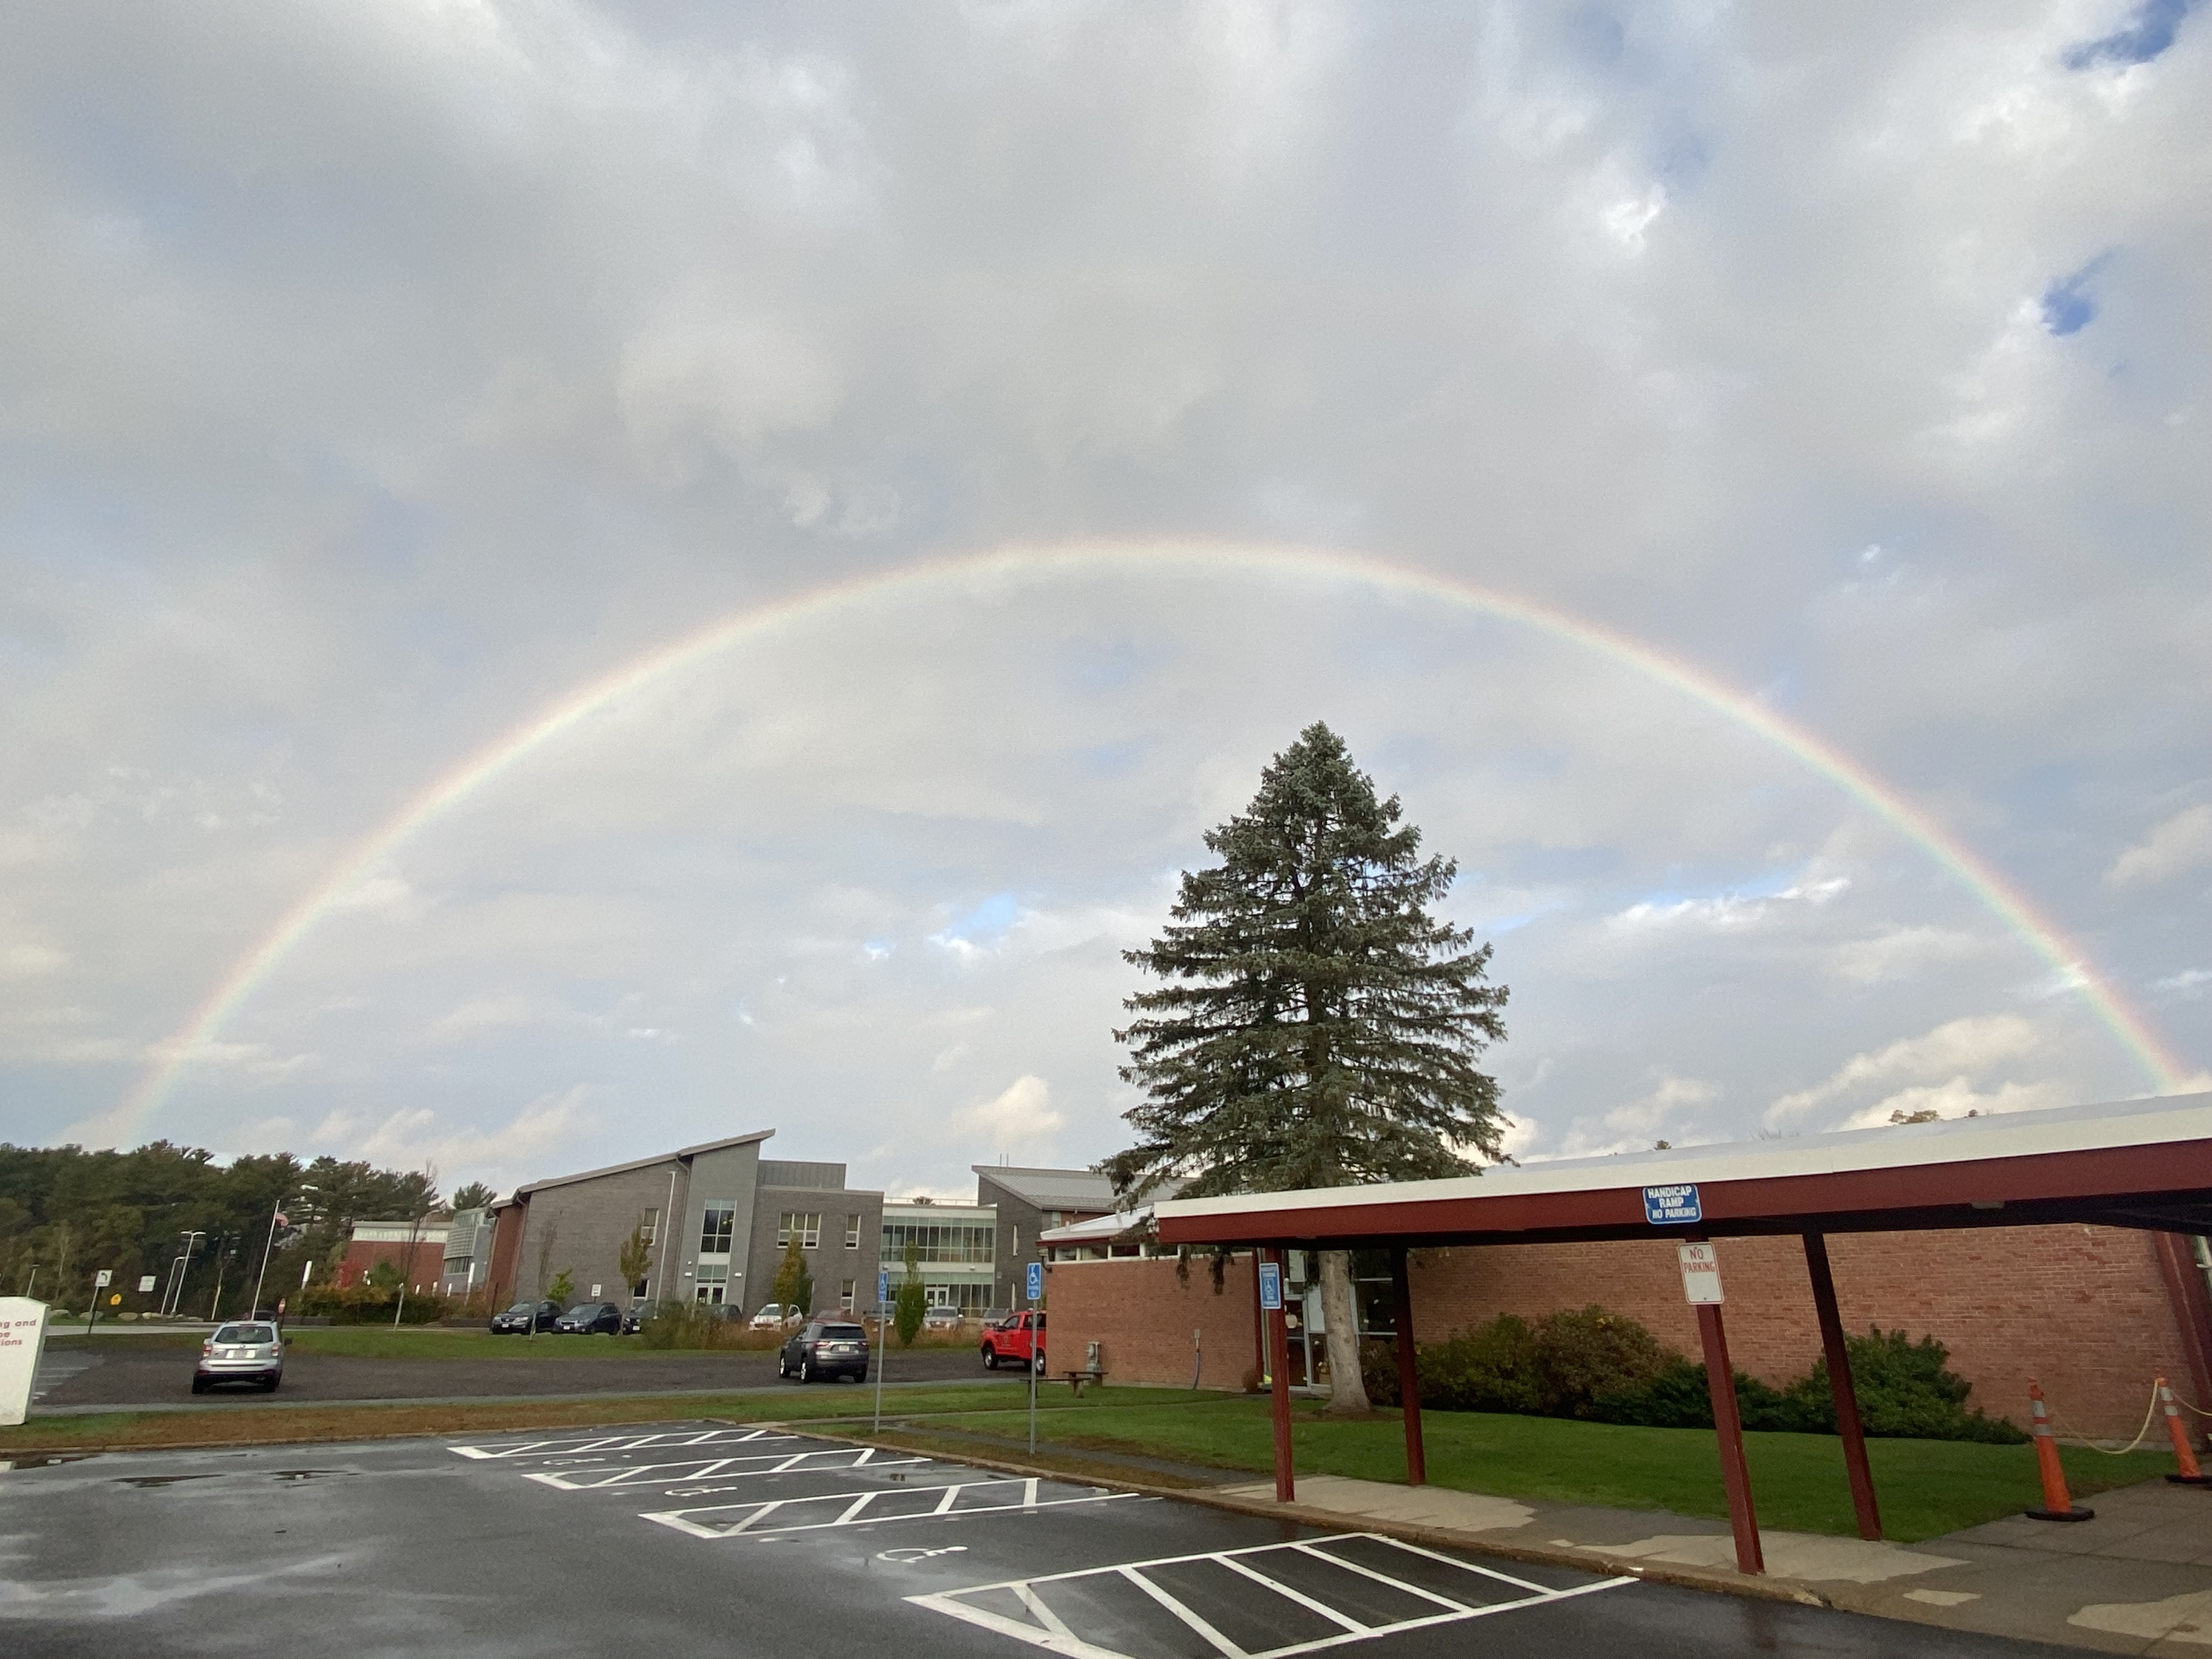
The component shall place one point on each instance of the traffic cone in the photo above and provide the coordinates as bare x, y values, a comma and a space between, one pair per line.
2189, 1475
2057, 1504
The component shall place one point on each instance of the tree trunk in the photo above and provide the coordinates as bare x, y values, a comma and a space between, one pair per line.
1347, 1388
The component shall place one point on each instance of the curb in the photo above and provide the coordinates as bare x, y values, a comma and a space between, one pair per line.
1582, 1560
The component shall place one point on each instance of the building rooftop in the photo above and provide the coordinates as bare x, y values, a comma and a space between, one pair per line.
2140, 1163
639, 1163
1052, 1189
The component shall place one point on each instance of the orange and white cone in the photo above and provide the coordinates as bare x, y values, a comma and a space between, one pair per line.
2057, 1505
2187, 1474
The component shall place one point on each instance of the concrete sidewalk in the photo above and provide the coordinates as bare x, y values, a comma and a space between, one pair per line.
2136, 1579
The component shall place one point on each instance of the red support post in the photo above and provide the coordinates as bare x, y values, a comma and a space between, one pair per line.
1728, 1425
1848, 1426
1409, 1377
1279, 1365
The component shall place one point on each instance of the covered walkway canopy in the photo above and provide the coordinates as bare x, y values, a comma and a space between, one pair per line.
2143, 1163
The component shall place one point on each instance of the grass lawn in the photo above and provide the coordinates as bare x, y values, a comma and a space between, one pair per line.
124, 1429
1926, 1487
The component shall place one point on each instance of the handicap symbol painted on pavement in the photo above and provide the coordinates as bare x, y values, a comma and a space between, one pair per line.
910, 1554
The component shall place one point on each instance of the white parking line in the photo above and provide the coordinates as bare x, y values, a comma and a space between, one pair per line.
775, 1515
620, 1443
1059, 1630
725, 1468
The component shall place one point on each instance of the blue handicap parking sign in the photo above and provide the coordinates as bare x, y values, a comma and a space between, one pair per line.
883, 1287
1271, 1287
1037, 1281
1671, 1207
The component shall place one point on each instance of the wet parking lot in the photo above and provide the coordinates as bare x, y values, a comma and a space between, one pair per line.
713, 1538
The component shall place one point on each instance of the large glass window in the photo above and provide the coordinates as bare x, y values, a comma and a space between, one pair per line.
806, 1228
719, 1222
937, 1241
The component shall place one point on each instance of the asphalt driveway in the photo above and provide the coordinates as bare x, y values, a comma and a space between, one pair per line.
122, 1375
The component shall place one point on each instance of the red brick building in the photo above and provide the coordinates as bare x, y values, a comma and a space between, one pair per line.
2089, 1311
416, 1248
2079, 1286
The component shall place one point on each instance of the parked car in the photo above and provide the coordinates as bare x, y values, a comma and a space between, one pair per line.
1017, 1339
634, 1321
241, 1352
940, 1319
821, 1349
526, 1316
773, 1317
586, 1318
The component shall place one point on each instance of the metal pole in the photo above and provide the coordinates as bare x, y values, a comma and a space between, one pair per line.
215, 1306
274, 1211
1728, 1426
1848, 1426
1032, 1368
1409, 1377
1278, 1362
191, 1243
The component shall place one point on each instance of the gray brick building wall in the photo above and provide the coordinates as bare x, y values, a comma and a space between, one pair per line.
581, 1226
846, 1213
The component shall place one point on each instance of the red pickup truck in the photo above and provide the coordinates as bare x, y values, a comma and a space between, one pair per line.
1016, 1339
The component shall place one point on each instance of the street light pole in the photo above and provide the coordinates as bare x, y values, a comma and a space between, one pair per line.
176, 1301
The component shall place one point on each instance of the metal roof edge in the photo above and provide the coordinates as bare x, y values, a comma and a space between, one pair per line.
2146, 1122
733, 1140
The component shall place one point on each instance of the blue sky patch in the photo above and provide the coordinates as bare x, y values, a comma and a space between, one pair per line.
2068, 305
2147, 33
986, 921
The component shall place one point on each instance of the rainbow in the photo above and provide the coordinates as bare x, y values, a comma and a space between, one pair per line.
1164, 560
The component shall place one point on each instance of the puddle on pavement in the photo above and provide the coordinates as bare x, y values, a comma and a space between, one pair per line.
217, 1474
159, 1479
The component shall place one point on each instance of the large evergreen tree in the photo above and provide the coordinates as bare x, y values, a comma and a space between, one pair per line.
1317, 1026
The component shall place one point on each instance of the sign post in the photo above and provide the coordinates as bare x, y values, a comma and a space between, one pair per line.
1701, 1289
100, 1281
1035, 1289
883, 1337
22, 1340
1279, 1367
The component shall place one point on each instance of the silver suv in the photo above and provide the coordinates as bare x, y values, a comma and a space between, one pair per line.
241, 1353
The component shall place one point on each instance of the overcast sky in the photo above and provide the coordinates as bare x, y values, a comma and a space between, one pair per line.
374, 375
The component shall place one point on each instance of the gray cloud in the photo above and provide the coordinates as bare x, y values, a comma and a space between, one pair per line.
375, 375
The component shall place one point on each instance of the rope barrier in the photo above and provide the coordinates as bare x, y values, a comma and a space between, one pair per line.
2087, 1445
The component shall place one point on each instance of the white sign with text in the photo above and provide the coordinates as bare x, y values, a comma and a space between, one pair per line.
22, 1338
1701, 1274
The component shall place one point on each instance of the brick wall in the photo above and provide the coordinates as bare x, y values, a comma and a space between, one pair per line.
422, 1274
2082, 1309
1142, 1315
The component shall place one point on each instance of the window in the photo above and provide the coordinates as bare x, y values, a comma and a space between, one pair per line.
648, 1226
846, 1289
938, 1241
715, 1227
713, 1286
852, 1232
806, 1228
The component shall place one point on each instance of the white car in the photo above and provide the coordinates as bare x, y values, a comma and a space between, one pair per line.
773, 1317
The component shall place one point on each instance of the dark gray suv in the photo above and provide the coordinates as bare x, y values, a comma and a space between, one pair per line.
826, 1348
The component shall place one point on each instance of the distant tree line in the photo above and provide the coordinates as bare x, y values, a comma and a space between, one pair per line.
65, 1213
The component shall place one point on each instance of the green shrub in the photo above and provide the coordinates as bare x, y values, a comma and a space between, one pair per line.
1592, 1364
366, 1305
1586, 1354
